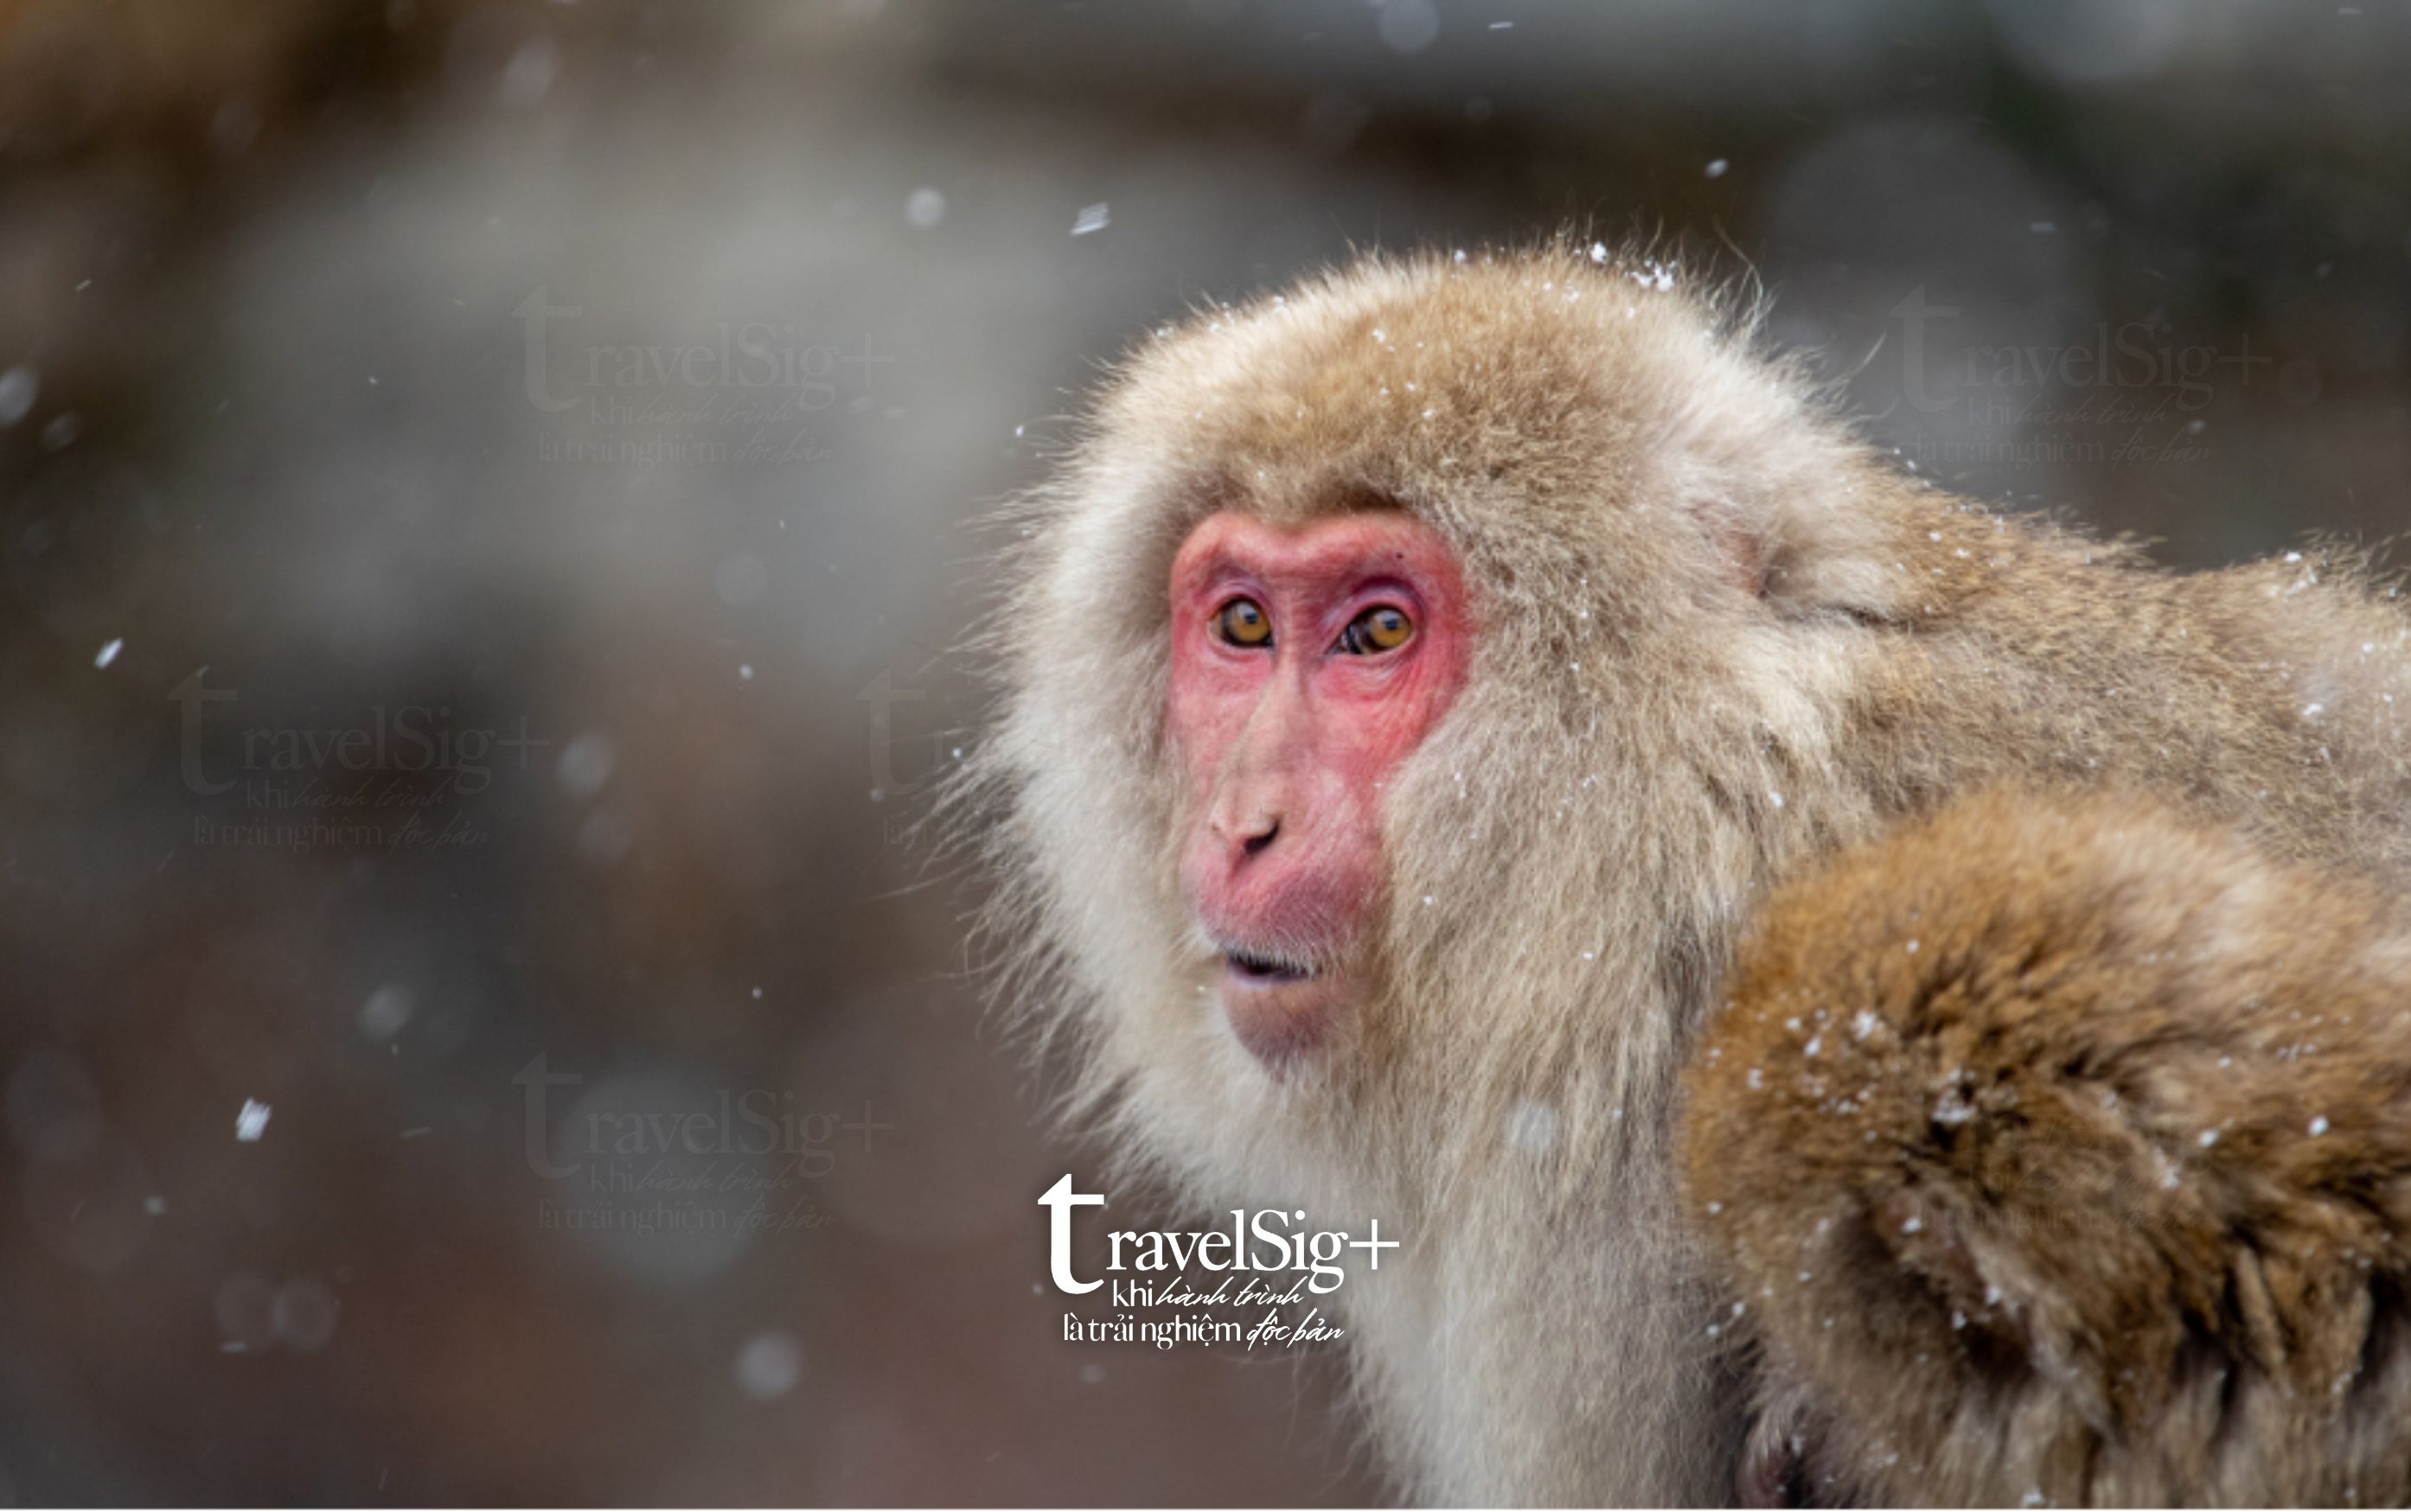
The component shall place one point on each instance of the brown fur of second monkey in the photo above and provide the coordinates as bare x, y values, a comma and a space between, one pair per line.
2061, 1152
1715, 638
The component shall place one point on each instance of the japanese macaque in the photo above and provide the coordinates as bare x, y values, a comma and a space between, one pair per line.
1414, 687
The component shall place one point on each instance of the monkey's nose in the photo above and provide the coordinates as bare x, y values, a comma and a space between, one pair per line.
1246, 834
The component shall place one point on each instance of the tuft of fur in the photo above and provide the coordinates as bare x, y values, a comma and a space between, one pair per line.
2061, 1149
1716, 637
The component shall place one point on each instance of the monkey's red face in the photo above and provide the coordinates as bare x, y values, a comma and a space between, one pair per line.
1305, 666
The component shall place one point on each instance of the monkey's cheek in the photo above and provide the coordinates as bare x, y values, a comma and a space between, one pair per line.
1283, 1022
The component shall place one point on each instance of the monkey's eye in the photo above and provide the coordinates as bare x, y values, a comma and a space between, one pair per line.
1382, 628
1244, 622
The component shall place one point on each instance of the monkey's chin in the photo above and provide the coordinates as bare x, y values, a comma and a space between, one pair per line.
1279, 1014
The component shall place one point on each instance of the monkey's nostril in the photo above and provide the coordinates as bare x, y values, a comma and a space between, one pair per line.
1257, 842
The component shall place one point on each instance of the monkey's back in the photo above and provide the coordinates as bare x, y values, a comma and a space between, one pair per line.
2274, 696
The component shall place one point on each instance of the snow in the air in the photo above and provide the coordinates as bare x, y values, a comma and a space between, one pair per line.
1409, 25
18, 388
769, 1365
383, 1015
1532, 1127
585, 763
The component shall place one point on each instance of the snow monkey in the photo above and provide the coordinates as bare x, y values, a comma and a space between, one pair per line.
1416, 687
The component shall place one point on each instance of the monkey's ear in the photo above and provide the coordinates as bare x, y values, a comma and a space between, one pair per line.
2064, 1116
1741, 547
1809, 545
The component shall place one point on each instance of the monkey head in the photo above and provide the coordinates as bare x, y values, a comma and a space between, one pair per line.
1305, 664
1404, 678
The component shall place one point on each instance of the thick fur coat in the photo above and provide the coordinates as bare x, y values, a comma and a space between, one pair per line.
1716, 640
2062, 1151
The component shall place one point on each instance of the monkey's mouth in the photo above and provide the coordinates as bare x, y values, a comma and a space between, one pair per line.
1280, 998
1279, 1006
1269, 970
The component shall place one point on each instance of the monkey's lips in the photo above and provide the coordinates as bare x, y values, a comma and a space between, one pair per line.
1264, 969
1278, 1008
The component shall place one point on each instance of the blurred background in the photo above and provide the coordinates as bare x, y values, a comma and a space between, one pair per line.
485, 500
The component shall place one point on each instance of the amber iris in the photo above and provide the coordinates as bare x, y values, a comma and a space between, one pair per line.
1382, 628
1244, 622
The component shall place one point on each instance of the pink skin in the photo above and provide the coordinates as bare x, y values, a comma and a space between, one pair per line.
1286, 747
